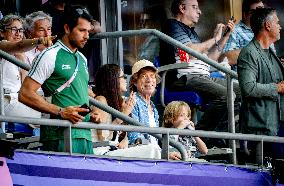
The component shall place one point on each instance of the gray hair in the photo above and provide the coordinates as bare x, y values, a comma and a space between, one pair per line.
8, 20
34, 17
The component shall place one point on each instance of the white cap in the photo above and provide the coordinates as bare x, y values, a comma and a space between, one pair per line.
142, 64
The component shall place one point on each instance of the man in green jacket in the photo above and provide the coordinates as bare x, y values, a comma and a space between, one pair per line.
261, 81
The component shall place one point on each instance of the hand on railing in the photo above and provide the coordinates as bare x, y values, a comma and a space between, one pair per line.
123, 144
174, 156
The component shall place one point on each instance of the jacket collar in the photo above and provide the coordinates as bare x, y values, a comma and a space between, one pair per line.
265, 59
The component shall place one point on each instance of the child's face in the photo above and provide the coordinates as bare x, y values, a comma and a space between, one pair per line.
183, 115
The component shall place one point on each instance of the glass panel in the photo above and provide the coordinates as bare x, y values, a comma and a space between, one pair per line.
140, 14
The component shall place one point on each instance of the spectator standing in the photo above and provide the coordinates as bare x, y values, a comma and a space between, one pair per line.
261, 81
12, 31
196, 77
62, 73
242, 33
37, 24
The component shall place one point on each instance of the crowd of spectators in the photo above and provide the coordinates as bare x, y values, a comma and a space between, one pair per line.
57, 83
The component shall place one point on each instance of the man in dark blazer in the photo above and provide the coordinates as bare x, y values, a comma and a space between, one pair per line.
261, 81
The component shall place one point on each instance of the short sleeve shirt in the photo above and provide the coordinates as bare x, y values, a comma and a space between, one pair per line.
52, 68
186, 35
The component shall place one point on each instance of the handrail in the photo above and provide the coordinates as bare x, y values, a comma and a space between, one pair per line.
106, 108
230, 74
169, 40
132, 121
14, 60
129, 128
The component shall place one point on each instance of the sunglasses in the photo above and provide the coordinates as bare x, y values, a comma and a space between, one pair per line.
81, 11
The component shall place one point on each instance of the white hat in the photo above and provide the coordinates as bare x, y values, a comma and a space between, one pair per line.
142, 64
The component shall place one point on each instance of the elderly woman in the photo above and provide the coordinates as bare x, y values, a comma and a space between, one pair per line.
11, 30
144, 80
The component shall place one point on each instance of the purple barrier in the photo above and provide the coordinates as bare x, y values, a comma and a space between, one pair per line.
44, 169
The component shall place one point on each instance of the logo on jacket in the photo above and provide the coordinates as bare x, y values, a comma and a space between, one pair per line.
66, 67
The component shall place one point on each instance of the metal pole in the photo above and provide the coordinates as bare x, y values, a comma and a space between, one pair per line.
68, 139
231, 119
259, 153
2, 96
165, 146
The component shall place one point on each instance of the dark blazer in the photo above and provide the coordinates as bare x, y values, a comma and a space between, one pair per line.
260, 110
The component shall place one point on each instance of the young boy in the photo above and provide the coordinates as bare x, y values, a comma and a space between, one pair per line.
177, 114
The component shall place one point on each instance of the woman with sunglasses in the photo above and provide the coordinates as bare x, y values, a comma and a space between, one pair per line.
11, 30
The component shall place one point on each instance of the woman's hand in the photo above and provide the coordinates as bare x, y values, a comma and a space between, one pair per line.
128, 105
96, 117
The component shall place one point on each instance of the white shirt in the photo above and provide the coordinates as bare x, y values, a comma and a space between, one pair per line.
31, 55
152, 123
11, 76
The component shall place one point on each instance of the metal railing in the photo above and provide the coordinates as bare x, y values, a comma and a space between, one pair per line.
166, 132
229, 73
67, 132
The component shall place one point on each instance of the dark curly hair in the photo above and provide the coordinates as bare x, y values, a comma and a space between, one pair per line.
107, 85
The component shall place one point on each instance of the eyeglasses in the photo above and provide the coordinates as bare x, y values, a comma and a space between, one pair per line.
81, 11
124, 76
14, 30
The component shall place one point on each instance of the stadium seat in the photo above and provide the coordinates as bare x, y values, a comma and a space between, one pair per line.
165, 95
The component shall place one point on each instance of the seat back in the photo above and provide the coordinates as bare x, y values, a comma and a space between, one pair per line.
190, 97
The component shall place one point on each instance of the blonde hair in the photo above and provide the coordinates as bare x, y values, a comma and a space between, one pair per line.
172, 112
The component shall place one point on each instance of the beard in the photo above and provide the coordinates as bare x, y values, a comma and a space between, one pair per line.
75, 43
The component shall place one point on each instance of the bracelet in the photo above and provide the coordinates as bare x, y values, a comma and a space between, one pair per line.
217, 46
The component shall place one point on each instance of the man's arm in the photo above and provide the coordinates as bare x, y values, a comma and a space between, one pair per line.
248, 72
232, 56
216, 51
202, 47
25, 44
29, 97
